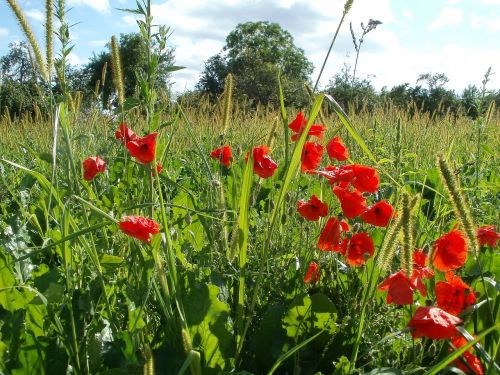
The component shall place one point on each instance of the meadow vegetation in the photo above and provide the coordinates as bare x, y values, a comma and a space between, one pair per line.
213, 236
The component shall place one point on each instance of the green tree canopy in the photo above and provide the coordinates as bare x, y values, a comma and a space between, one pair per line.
19, 90
255, 53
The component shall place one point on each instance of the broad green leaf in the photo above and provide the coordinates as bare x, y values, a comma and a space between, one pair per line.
308, 314
208, 321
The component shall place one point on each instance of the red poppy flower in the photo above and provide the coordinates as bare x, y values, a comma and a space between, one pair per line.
472, 361
336, 175
487, 235
312, 209
434, 323
311, 156
139, 227
124, 134
366, 179
358, 249
92, 166
263, 165
450, 251
379, 214
337, 150
453, 295
299, 124
399, 289
420, 271
223, 154
353, 203
313, 273
143, 149
329, 240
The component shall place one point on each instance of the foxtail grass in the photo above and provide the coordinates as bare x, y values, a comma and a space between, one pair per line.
407, 229
49, 33
458, 202
227, 103
28, 33
116, 68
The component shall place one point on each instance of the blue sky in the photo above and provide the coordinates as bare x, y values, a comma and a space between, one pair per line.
457, 37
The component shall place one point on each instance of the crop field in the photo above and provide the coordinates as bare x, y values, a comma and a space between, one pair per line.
208, 236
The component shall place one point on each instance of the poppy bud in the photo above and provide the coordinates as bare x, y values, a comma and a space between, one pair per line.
283, 219
356, 227
174, 234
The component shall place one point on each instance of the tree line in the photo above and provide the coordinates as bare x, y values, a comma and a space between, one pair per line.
257, 54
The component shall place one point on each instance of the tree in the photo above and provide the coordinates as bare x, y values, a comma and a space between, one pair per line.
256, 53
352, 92
19, 90
134, 58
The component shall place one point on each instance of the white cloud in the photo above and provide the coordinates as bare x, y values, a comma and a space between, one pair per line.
449, 16
408, 14
3, 31
489, 22
35, 14
74, 59
454, 2
100, 5
490, 2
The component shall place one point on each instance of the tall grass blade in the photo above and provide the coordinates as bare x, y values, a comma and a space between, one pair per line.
289, 353
450, 358
243, 226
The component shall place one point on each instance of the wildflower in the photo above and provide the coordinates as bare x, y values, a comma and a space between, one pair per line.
453, 295
472, 361
399, 288
143, 149
336, 175
450, 251
329, 240
139, 227
358, 249
124, 134
434, 323
337, 150
92, 166
353, 203
313, 273
299, 124
366, 179
311, 156
420, 271
312, 209
223, 154
487, 235
379, 214
263, 165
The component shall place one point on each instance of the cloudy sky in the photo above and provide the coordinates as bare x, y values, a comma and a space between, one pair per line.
455, 37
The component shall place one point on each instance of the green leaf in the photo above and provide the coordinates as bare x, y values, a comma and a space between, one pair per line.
110, 260
208, 321
10, 298
310, 313
173, 68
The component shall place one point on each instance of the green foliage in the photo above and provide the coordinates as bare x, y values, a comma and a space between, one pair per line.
132, 51
255, 53
20, 91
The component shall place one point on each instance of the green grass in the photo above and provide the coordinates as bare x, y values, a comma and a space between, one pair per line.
93, 282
